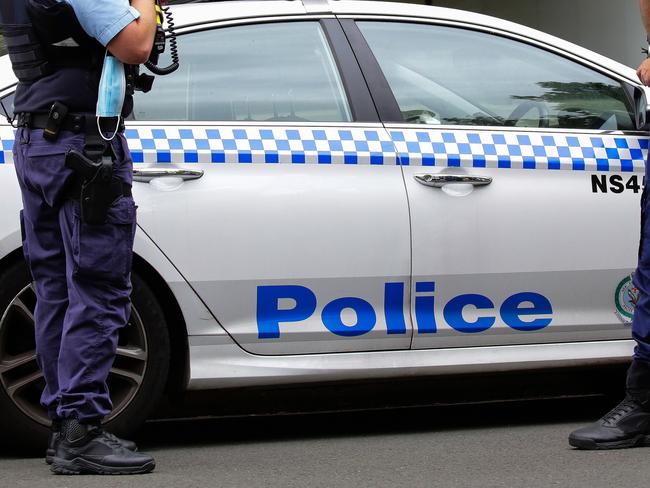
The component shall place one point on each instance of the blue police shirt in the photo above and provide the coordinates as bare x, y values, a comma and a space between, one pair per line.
103, 19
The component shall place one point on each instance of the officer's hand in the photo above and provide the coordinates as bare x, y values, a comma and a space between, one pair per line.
644, 72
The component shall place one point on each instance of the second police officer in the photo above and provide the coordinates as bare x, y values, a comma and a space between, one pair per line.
628, 424
78, 215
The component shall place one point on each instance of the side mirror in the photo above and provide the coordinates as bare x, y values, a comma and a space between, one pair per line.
641, 109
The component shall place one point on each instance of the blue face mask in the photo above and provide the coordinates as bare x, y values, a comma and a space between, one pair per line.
112, 89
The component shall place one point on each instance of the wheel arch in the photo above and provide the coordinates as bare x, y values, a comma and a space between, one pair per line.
179, 349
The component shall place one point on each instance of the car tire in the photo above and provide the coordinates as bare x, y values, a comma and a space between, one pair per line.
137, 380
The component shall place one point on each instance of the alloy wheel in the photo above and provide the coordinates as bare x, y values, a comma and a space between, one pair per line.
22, 380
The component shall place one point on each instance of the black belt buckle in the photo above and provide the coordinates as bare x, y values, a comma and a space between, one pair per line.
24, 119
55, 119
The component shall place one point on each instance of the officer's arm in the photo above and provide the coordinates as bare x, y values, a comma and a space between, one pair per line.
133, 44
644, 69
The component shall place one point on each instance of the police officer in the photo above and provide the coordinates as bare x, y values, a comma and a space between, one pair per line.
78, 215
628, 424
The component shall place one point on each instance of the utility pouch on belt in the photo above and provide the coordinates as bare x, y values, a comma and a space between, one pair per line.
99, 189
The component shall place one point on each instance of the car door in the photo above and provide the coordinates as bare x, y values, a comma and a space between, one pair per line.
296, 236
524, 171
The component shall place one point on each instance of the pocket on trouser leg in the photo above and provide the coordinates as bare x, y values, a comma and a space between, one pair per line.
44, 171
105, 251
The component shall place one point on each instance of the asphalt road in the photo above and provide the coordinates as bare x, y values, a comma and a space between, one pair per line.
512, 444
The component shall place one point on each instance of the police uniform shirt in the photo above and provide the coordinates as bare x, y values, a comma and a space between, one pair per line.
103, 19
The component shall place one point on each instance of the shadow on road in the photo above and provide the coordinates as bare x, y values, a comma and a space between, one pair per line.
255, 429
366, 409
379, 408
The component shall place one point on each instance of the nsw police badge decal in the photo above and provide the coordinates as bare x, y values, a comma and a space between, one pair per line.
625, 298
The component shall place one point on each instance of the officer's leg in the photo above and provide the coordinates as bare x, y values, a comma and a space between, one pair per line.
98, 262
639, 375
46, 260
628, 424
43, 249
99, 288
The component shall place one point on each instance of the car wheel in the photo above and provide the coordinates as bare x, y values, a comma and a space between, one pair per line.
136, 380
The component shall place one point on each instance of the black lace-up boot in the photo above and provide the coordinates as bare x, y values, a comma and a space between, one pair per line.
628, 424
55, 431
53, 441
88, 449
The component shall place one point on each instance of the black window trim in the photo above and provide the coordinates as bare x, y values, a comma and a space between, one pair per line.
356, 89
380, 90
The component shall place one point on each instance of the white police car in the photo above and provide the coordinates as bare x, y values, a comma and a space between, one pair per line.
349, 190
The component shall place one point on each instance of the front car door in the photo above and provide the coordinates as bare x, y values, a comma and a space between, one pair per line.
536, 240
297, 235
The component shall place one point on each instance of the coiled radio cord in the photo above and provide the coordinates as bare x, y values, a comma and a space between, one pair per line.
173, 48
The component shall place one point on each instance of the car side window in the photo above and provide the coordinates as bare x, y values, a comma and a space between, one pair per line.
455, 76
281, 72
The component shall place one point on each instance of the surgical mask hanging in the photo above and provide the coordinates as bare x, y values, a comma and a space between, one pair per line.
112, 92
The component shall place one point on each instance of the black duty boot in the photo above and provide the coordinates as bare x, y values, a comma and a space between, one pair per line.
628, 424
53, 441
55, 430
88, 449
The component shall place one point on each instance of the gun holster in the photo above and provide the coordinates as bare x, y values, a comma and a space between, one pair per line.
98, 189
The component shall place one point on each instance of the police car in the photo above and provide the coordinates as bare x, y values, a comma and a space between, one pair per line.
348, 190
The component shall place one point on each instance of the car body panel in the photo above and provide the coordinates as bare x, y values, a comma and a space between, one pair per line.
283, 206
193, 14
538, 227
10, 237
217, 363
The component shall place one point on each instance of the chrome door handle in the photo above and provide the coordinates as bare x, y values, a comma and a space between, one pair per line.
438, 181
145, 175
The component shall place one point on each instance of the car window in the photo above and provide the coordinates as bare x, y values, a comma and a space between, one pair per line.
455, 76
266, 72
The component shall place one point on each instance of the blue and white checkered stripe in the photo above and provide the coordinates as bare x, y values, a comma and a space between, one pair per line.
530, 150
358, 145
7, 144
261, 145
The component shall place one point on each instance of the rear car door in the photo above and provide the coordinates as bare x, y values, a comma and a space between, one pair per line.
524, 172
297, 234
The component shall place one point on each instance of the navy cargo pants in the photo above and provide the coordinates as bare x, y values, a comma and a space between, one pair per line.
641, 320
81, 274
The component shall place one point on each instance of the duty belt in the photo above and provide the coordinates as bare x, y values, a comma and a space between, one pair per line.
72, 122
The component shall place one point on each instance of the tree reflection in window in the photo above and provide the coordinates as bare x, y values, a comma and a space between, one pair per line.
588, 105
